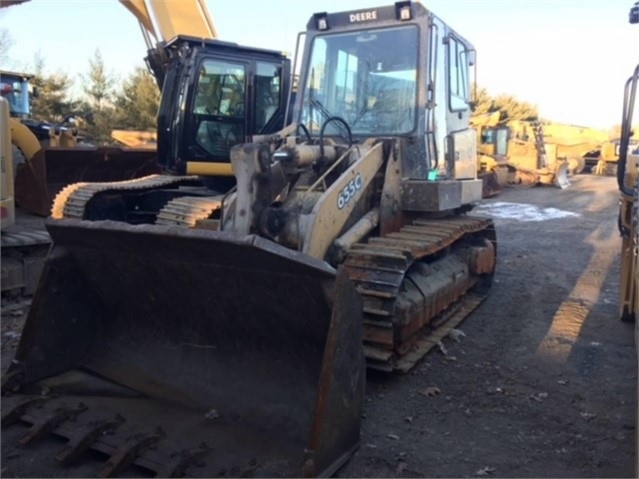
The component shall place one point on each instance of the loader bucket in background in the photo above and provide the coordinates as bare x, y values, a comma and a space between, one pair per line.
561, 174
556, 175
263, 341
42, 177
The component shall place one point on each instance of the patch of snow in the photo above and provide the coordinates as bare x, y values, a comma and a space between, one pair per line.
522, 211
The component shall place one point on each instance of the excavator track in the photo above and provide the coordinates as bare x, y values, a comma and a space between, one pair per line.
72, 201
398, 328
187, 210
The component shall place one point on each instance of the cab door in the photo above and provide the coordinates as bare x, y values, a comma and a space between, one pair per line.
216, 113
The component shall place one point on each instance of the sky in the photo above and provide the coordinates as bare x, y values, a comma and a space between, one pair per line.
571, 58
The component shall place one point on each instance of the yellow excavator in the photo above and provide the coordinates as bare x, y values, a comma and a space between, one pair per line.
230, 327
165, 26
246, 93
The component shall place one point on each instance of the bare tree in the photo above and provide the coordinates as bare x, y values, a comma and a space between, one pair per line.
6, 42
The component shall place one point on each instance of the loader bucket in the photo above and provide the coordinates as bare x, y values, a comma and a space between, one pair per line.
41, 178
561, 174
253, 351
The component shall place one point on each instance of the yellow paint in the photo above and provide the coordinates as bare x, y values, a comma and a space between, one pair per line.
203, 168
186, 17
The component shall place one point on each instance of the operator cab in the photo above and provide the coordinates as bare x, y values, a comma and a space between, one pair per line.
215, 95
15, 88
393, 71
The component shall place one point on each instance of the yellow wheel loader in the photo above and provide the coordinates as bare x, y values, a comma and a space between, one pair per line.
230, 327
48, 156
25, 242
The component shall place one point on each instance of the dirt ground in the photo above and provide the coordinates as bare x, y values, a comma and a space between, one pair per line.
542, 380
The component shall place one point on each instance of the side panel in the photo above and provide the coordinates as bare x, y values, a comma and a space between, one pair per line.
463, 153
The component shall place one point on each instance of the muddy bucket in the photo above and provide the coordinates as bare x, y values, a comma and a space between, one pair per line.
40, 179
254, 347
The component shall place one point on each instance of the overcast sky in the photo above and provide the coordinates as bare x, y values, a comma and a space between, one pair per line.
569, 57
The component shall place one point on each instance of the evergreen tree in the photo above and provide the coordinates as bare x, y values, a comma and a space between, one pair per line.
97, 110
98, 84
6, 42
53, 101
513, 109
137, 102
510, 107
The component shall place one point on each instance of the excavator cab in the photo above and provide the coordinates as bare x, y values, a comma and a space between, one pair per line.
216, 95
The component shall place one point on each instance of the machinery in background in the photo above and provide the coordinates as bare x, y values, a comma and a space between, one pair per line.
167, 27
230, 324
574, 144
510, 154
232, 93
47, 156
136, 138
17, 90
608, 157
25, 243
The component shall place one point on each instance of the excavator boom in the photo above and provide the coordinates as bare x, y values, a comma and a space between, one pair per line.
167, 20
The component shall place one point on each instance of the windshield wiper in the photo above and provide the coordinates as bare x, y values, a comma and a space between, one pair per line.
342, 130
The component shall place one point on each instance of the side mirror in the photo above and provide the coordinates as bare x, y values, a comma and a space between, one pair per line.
472, 58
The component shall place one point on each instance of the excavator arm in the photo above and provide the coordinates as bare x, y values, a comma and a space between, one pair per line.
162, 21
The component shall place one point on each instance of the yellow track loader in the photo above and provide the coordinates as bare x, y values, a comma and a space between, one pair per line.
231, 327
